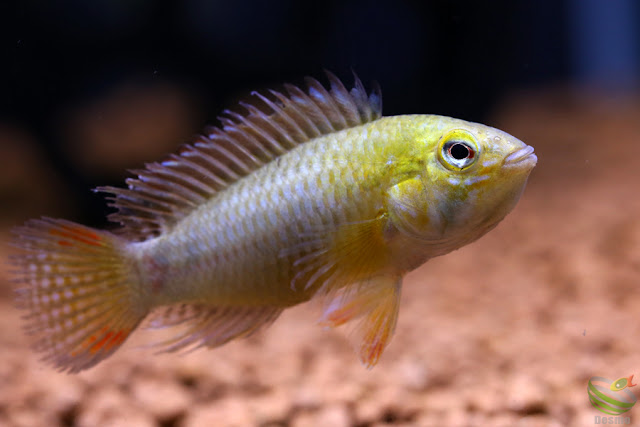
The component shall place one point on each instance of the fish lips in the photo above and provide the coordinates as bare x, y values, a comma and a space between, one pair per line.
522, 158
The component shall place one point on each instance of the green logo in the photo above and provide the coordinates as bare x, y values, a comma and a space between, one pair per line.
611, 397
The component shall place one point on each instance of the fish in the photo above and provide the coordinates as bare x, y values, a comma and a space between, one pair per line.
622, 383
307, 194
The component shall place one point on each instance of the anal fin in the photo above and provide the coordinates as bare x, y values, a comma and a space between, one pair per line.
210, 326
374, 305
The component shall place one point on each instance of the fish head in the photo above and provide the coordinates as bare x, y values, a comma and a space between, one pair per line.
472, 177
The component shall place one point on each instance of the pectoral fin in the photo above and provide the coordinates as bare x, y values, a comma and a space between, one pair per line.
374, 304
331, 257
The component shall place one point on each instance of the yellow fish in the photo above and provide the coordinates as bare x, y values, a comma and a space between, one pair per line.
309, 194
622, 383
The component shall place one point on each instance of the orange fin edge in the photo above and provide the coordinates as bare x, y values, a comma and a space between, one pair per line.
373, 306
76, 286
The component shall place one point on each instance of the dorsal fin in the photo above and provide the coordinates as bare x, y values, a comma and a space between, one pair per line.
167, 191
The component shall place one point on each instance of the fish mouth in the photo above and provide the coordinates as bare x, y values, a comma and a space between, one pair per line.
523, 156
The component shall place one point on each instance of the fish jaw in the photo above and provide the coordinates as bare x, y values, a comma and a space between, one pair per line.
522, 158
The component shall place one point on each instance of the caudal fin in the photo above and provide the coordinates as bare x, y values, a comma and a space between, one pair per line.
77, 286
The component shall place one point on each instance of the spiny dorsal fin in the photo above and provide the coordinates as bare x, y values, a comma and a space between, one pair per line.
166, 192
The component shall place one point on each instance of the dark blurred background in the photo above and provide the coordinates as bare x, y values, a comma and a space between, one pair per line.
89, 89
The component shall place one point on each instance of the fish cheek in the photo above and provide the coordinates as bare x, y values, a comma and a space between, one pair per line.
500, 198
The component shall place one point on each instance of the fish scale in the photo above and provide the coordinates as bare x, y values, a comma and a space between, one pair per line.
309, 195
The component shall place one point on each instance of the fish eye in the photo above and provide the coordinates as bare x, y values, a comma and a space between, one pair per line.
458, 150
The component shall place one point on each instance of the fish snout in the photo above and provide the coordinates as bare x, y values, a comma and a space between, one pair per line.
522, 157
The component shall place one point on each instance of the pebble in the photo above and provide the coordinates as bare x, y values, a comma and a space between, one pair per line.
413, 375
335, 415
524, 394
112, 407
273, 407
228, 412
162, 399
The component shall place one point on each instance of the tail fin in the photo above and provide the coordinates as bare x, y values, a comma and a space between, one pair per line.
77, 285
